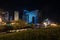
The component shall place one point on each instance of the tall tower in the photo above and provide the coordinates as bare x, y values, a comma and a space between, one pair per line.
16, 15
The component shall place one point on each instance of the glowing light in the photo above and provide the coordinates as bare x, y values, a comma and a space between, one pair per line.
16, 15
45, 24
0, 19
12, 30
23, 29
4, 23
53, 24
48, 21
12, 23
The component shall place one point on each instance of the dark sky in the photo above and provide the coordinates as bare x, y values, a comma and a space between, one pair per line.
50, 9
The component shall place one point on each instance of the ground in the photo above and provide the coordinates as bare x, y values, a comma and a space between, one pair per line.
33, 34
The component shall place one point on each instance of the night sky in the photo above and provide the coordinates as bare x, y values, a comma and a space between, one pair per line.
49, 9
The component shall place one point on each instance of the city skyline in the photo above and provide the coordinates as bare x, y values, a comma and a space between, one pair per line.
28, 16
49, 9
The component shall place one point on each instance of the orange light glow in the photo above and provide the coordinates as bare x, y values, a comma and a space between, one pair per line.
53, 24
0, 19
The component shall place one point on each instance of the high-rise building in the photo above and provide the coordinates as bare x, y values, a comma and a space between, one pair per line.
5, 16
16, 15
30, 16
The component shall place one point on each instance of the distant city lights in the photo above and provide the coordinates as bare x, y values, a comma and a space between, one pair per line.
12, 23
45, 24
0, 19
53, 24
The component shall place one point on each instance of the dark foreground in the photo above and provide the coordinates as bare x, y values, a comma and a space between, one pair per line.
33, 34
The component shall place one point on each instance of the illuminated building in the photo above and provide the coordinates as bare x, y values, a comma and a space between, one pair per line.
16, 15
30, 16
5, 16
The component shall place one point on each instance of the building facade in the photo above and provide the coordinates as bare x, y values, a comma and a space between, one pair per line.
16, 15
30, 16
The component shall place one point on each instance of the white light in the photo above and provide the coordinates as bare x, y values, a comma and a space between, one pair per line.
12, 23
45, 24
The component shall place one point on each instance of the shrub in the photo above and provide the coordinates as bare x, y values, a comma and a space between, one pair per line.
3, 28
19, 24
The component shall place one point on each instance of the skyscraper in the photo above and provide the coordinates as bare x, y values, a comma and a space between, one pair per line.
16, 15
30, 16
